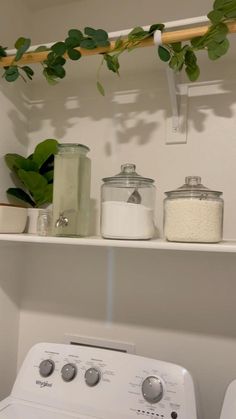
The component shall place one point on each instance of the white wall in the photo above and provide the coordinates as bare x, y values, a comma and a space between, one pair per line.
174, 306
13, 122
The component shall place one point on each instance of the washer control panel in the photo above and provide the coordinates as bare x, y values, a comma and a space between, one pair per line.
104, 384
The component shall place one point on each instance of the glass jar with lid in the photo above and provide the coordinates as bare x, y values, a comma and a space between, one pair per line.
127, 205
71, 190
193, 213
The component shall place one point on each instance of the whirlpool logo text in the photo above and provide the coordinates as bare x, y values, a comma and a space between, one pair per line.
42, 384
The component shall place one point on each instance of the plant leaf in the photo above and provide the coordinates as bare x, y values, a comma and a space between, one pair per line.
59, 48
88, 44
35, 183
12, 73
73, 54
72, 42
15, 162
156, 27
28, 71
100, 88
75, 33
51, 78
49, 176
163, 53
44, 150
215, 16
18, 193
22, 44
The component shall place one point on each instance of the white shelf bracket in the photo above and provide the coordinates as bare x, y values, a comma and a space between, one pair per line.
176, 124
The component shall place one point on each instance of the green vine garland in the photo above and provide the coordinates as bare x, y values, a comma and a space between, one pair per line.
178, 56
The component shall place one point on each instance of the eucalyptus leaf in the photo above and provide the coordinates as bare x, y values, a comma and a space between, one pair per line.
12, 73
76, 34
215, 16
22, 45
59, 48
88, 44
50, 77
100, 88
163, 53
73, 54
155, 27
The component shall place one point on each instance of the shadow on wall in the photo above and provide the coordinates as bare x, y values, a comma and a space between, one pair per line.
181, 291
16, 106
132, 104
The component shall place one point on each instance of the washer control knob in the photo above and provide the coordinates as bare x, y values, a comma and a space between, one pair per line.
68, 372
46, 368
152, 389
92, 377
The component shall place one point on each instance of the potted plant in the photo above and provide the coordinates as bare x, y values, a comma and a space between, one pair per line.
33, 176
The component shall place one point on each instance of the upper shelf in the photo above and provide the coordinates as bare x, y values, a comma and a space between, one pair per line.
158, 244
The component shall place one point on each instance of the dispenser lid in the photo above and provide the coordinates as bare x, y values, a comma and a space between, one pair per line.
127, 175
193, 186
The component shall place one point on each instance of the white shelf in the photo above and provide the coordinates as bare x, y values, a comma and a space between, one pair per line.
158, 244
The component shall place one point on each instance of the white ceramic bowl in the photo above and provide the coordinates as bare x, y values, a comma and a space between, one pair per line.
12, 218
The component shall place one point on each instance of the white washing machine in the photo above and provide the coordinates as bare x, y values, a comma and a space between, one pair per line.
229, 405
59, 381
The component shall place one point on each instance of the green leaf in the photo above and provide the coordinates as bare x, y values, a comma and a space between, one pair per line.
231, 14
88, 44
12, 73
21, 195
35, 183
118, 43
192, 72
89, 31
49, 176
59, 48
112, 63
98, 36
100, 88
72, 42
59, 71
50, 77
218, 50
222, 31
44, 150
22, 44
137, 32
215, 16
15, 162
73, 54
41, 48
28, 71
3, 51
156, 27
75, 33
177, 46
163, 53
219, 4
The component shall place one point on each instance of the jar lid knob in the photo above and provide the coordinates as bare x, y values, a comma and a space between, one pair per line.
128, 168
193, 180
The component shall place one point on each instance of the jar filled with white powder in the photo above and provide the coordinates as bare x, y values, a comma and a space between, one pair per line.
127, 205
193, 213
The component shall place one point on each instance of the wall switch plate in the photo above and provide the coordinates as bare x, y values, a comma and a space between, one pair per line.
102, 343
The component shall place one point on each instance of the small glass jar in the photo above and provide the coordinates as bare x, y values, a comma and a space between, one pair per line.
44, 222
71, 191
193, 213
127, 205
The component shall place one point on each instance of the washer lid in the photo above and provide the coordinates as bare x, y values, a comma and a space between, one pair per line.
20, 410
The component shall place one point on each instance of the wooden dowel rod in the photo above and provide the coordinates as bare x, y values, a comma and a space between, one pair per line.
167, 38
